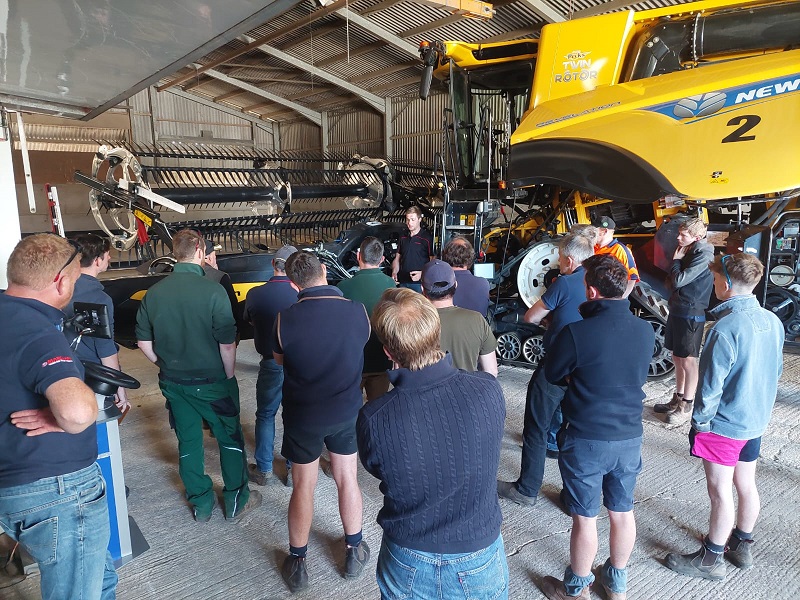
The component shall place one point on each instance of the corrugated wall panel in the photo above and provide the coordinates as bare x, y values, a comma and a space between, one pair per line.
356, 132
300, 135
417, 127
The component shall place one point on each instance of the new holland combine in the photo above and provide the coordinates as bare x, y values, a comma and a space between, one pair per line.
644, 116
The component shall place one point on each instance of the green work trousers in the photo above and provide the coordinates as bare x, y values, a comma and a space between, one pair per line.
218, 405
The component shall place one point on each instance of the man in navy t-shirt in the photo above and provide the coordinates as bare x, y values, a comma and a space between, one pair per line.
472, 292
415, 250
52, 494
560, 303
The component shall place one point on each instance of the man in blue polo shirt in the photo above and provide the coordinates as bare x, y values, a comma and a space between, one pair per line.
320, 343
560, 304
95, 258
52, 494
600, 443
261, 307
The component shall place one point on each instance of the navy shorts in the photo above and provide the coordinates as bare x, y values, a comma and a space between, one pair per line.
591, 468
683, 336
303, 446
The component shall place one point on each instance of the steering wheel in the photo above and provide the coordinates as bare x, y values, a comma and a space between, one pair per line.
104, 380
165, 262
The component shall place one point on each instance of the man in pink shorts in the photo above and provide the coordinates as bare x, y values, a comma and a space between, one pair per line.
739, 370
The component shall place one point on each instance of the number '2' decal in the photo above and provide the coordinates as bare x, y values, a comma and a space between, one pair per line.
745, 123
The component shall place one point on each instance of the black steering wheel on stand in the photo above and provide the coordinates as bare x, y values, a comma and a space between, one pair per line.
105, 381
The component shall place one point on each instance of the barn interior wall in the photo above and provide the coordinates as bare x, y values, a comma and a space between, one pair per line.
61, 146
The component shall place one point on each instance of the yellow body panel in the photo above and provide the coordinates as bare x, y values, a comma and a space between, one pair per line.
724, 130
462, 55
568, 65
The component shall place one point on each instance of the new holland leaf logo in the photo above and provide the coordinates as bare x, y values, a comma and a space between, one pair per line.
700, 105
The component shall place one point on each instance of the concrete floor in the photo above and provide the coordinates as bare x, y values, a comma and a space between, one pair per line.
188, 560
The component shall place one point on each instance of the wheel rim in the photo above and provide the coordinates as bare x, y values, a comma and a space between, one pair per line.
533, 349
509, 346
538, 261
661, 364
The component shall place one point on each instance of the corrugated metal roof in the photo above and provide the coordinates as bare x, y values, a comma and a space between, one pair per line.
324, 39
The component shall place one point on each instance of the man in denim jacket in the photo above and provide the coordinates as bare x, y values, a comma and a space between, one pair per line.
739, 371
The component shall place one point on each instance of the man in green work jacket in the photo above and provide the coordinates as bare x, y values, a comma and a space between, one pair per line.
186, 310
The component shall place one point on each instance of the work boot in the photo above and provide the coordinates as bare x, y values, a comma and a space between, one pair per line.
254, 501
509, 491
294, 573
554, 589
682, 414
702, 563
259, 477
354, 560
667, 407
739, 552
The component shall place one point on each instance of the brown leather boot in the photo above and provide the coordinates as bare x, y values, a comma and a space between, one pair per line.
682, 414
668, 407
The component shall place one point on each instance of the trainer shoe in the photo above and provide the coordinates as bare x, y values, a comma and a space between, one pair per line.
692, 565
509, 491
254, 501
667, 407
739, 552
554, 589
294, 573
682, 414
355, 559
551, 454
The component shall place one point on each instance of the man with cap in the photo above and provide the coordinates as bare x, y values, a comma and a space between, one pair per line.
366, 286
472, 292
185, 326
465, 333
608, 244
261, 308
213, 272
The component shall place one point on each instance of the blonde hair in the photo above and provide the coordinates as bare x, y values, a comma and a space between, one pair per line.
38, 259
407, 324
695, 227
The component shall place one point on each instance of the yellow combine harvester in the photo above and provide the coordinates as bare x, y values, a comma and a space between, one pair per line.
698, 101
692, 108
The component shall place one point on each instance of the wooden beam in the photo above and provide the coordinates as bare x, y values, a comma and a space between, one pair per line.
227, 95
385, 71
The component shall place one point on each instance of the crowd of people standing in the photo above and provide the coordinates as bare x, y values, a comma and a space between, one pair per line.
369, 369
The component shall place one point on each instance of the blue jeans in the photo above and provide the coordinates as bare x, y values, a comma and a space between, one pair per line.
63, 523
555, 426
406, 573
269, 393
542, 401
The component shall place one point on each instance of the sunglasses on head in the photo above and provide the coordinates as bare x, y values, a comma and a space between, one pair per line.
725, 269
76, 249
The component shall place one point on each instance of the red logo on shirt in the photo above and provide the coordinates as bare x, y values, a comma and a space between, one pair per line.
57, 359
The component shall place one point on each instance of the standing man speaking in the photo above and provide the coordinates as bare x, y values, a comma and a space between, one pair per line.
415, 250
